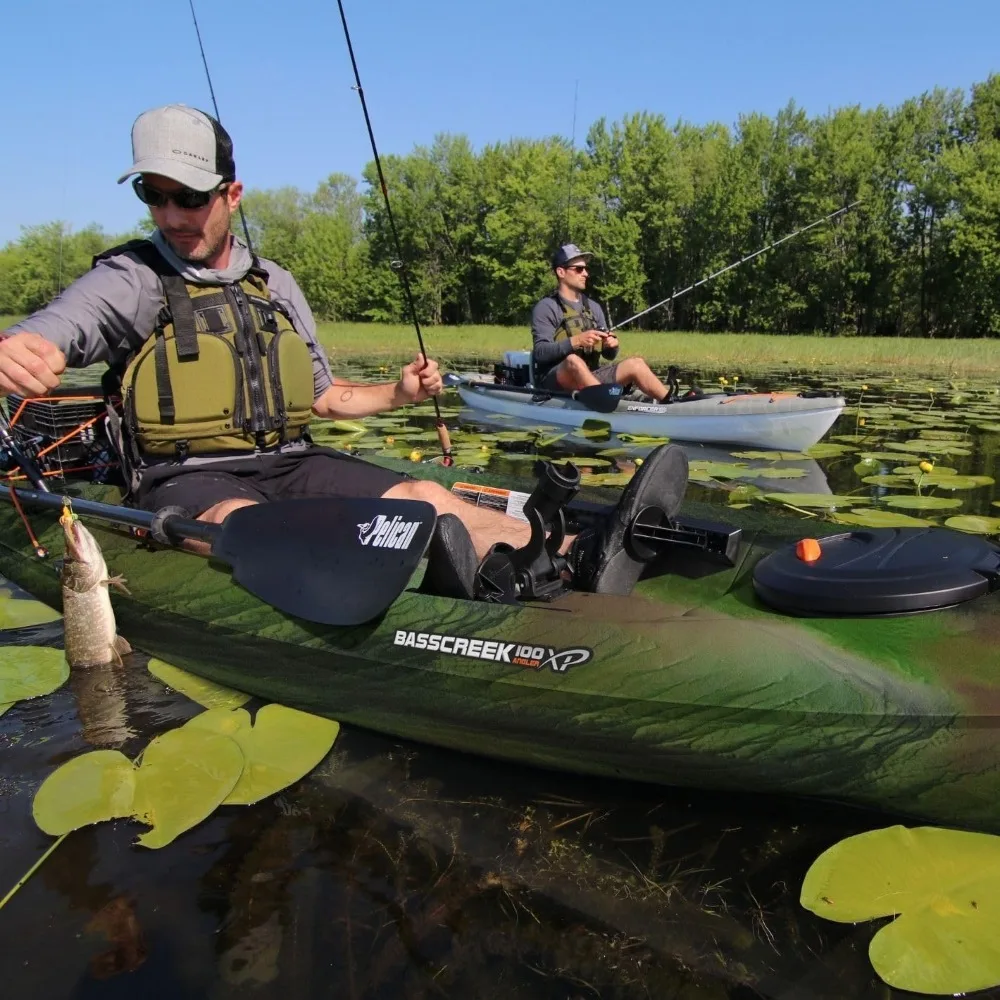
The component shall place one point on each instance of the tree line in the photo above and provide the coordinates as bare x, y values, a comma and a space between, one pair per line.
661, 205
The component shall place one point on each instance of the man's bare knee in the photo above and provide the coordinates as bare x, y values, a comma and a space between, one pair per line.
217, 513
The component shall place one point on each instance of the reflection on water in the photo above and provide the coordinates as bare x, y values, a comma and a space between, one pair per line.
403, 871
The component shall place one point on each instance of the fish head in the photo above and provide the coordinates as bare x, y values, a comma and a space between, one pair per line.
82, 551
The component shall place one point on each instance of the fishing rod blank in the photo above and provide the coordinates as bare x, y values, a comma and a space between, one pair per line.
218, 117
399, 265
729, 267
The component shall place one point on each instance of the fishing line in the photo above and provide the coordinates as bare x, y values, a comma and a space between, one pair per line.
398, 265
572, 166
729, 267
218, 117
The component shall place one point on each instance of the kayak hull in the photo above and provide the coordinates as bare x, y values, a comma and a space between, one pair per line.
781, 421
689, 681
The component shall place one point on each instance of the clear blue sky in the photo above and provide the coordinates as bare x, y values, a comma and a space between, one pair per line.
77, 74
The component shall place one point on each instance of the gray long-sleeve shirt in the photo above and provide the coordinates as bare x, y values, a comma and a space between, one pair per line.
109, 312
546, 319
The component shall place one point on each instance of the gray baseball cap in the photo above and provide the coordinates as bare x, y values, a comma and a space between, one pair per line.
183, 144
568, 252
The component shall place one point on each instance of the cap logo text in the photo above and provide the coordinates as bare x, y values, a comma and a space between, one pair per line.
194, 156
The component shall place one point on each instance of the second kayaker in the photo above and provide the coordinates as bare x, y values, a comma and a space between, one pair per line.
571, 346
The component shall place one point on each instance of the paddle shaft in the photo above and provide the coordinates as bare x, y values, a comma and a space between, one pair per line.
173, 525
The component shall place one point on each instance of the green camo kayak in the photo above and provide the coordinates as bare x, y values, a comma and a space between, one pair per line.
691, 680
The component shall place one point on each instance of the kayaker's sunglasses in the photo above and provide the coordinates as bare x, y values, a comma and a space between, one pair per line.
579, 268
184, 197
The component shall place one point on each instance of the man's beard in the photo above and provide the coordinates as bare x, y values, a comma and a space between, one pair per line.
205, 249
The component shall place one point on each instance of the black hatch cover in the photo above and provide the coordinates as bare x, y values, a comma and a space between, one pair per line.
882, 571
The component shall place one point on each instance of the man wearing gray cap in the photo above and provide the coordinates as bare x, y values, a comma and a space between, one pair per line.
216, 350
220, 369
572, 348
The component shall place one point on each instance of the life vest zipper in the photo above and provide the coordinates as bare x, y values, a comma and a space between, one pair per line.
258, 403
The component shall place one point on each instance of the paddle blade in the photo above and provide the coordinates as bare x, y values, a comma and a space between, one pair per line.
328, 560
600, 398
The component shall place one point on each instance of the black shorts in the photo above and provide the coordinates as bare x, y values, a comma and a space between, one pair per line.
606, 375
315, 472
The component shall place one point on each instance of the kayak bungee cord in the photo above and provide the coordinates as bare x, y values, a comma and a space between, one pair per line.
218, 117
729, 267
398, 265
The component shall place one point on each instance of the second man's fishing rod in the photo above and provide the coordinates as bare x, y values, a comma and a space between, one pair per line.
399, 265
729, 267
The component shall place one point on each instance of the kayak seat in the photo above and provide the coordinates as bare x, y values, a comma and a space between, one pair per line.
451, 561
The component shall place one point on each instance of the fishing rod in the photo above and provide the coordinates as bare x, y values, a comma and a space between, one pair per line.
398, 265
729, 267
218, 117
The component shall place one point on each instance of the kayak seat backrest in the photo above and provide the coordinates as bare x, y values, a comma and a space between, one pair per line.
516, 369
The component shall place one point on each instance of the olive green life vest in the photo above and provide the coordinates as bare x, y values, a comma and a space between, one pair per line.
577, 321
223, 371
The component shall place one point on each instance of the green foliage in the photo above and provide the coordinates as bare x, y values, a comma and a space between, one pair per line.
662, 205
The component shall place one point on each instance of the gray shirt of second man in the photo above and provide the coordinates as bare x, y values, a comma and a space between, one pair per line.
546, 319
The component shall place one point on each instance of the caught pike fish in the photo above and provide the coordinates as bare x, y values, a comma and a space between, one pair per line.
90, 633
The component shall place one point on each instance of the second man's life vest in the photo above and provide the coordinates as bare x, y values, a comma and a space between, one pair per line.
223, 371
577, 321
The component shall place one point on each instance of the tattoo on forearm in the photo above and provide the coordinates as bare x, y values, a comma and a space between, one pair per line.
346, 395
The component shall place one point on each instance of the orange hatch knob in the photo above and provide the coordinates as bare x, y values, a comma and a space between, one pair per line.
808, 550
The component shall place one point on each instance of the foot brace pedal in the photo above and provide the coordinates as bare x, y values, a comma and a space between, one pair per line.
536, 571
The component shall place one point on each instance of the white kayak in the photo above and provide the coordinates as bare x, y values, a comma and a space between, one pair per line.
784, 421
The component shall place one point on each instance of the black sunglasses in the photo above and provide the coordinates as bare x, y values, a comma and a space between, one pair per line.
184, 198
579, 268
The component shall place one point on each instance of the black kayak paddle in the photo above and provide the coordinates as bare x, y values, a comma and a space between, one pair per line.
328, 560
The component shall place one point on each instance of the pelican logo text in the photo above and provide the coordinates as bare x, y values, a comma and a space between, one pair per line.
194, 156
387, 533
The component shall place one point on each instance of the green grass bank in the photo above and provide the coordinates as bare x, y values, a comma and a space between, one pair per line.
735, 352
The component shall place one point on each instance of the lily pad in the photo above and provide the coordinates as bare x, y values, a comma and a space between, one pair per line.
281, 747
596, 430
943, 887
771, 456
88, 789
881, 456
975, 524
887, 480
922, 503
588, 462
644, 440
914, 471
606, 478
824, 501
880, 519
185, 775
826, 450
956, 482
16, 612
31, 672
718, 470
205, 693
778, 473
